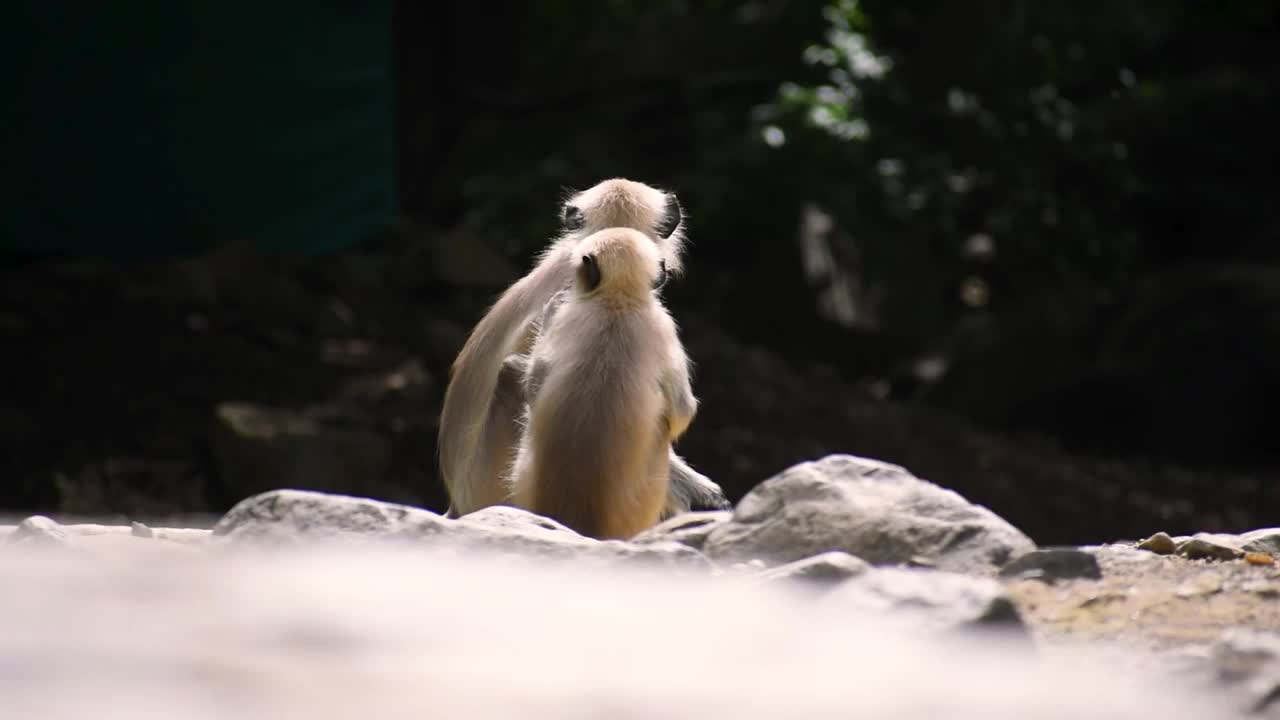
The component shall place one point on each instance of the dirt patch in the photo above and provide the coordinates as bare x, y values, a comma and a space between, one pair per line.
1158, 602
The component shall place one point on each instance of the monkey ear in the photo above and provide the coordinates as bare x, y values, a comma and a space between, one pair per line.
671, 217
571, 217
661, 279
590, 272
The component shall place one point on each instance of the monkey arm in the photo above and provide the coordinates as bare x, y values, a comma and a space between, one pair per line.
464, 441
688, 489
509, 396
533, 379
682, 406
521, 364
549, 310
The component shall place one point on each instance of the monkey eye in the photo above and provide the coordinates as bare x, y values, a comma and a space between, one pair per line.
571, 218
590, 272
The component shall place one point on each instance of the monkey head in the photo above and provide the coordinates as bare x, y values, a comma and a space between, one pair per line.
619, 202
619, 262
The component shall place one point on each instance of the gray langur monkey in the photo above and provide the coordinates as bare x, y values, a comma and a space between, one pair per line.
484, 400
609, 392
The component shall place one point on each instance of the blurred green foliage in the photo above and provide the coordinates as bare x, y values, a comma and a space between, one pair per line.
969, 156
1029, 147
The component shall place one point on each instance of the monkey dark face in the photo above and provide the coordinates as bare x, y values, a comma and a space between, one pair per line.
589, 270
671, 217
571, 218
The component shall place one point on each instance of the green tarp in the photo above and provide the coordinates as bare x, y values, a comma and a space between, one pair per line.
144, 128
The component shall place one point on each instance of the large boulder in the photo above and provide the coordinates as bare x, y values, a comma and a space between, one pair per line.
873, 510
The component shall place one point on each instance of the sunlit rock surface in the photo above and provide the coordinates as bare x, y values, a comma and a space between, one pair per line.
292, 517
877, 511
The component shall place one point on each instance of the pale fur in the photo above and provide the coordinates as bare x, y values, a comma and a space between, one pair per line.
609, 392
483, 403
688, 488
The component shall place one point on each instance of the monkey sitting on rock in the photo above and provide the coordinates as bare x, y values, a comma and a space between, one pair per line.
608, 388
484, 402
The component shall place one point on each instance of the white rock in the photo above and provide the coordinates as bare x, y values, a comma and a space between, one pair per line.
1262, 540
691, 528
39, 529
294, 517
823, 570
873, 510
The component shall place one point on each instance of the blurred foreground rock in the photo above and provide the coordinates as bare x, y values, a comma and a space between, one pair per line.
336, 631
900, 598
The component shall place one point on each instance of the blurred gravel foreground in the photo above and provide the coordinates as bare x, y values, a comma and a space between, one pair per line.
114, 627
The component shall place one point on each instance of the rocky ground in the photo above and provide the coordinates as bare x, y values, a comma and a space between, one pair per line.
839, 586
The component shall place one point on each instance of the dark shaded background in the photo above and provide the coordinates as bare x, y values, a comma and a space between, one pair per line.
1027, 250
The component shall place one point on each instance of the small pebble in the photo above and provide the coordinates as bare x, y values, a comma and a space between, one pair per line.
1160, 544
39, 529
1259, 558
825, 569
1053, 563
142, 531
1201, 549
